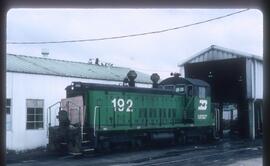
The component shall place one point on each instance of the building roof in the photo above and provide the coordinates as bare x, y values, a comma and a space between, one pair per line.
218, 53
47, 66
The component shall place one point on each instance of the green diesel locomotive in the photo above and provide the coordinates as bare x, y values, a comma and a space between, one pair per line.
98, 116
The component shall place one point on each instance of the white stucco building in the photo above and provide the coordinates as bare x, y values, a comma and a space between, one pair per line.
35, 83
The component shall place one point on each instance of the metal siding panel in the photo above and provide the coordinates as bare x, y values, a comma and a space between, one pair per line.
248, 78
214, 54
210, 55
252, 79
222, 55
196, 59
207, 55
259, 79
201, 58
219, 55
230, 56
182, 71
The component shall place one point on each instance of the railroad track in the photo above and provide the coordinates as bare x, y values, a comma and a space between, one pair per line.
156, 163
173, 155
184, 156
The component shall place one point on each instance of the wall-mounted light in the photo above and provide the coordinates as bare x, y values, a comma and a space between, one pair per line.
240, 79
210, 75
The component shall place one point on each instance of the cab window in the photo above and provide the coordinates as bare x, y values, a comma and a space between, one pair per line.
169, 87
180, 89
202, 92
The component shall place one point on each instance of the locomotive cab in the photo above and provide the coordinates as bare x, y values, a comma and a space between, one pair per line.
188, 86
197, 98
197, 111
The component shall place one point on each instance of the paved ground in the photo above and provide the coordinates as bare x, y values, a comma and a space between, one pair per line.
225, 152
248, 162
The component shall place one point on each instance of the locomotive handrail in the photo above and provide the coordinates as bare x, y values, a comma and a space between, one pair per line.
49, 110
59, 102
49, 116
95, 110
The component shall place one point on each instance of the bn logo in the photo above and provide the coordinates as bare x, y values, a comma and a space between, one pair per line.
202, 105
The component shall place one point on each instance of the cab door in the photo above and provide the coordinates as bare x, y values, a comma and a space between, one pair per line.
189, 105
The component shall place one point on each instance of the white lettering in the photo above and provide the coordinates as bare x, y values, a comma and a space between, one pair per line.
202, 116
119, 105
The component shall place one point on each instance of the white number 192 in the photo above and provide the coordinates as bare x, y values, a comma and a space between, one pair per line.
120, 105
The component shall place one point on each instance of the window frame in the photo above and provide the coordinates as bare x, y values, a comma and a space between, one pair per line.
173, 87
181, 85
199, 94
34, 115
10, 113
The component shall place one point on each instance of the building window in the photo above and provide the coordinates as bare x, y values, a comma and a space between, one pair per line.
202, 92
8, 114
34, 113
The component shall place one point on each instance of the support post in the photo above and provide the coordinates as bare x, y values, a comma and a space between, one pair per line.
3, 12
251, 119
221, 120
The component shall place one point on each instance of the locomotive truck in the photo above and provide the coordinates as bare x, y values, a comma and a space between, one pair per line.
98, 116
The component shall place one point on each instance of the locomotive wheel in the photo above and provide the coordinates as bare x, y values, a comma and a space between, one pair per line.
51, 147
106, 146
204, 139
181, 139
136, 143
103, 146
139, 143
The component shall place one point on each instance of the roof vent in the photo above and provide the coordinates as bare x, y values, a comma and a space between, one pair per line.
45, 53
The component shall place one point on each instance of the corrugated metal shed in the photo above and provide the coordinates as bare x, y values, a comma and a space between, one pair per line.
254, 66
218, 53
46, 66
235, 77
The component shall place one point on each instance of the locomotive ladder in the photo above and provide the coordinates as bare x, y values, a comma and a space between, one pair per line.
49, 116
49, 113
52, 111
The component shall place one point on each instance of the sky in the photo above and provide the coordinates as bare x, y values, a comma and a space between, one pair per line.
156, 53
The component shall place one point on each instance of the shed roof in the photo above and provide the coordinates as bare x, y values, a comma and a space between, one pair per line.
215, 52
47, 66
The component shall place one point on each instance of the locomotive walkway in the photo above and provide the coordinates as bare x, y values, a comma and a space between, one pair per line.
225, 152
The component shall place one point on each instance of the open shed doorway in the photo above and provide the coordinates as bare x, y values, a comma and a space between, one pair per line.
227, 79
